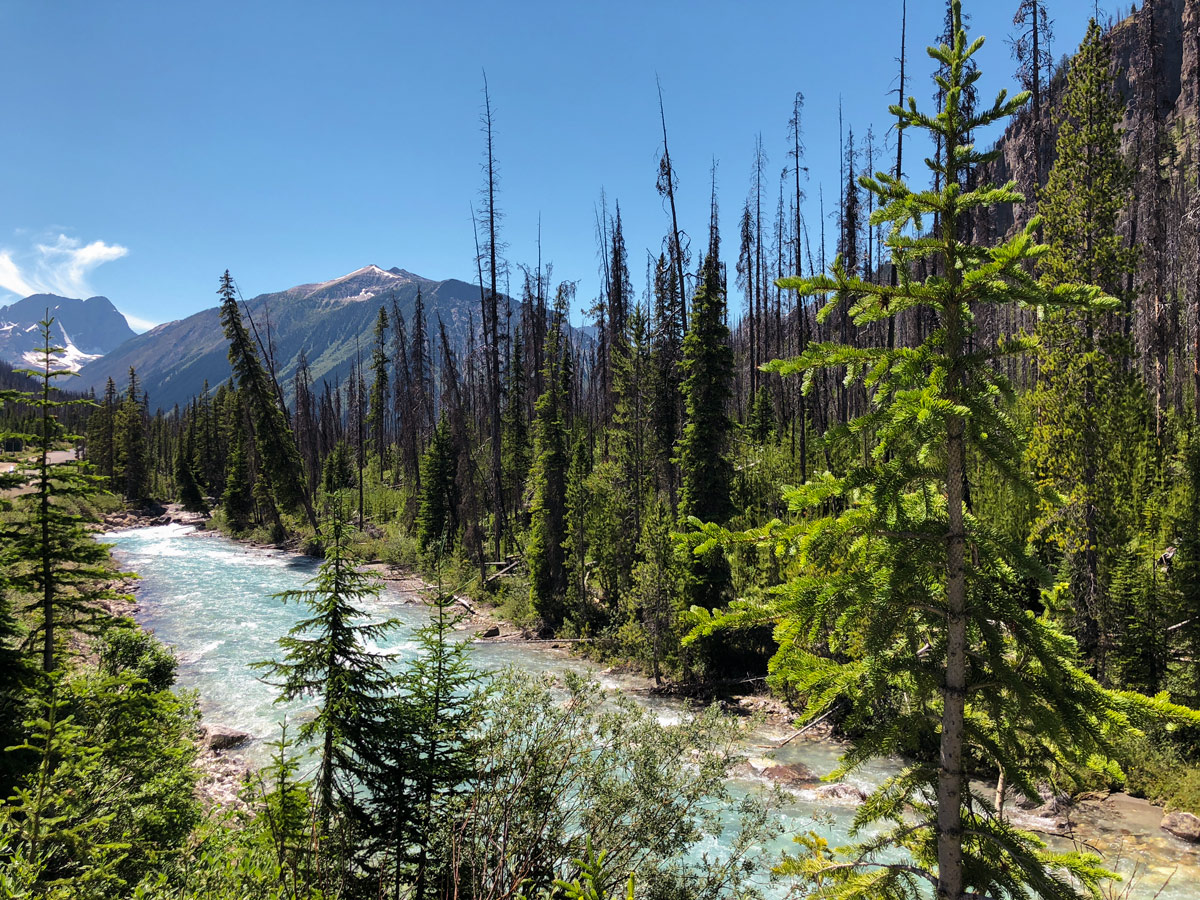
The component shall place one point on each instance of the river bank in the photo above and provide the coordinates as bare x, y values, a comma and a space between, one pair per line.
744, 697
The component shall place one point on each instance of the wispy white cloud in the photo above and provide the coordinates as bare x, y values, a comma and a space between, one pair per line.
59, 266
137, 323
11, 278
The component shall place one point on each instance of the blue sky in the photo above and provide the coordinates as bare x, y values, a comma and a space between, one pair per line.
152, 145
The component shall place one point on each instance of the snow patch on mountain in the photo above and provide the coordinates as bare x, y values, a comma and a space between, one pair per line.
358, 286
70, 358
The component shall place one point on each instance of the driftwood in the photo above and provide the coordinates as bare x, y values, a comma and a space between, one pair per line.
466, 604
813, 724
508, 568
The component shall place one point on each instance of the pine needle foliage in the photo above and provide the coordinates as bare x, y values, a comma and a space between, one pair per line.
273, 435
1084, 386
704, 463
925, 624
326, 658
548, 478
47, 556
429, 752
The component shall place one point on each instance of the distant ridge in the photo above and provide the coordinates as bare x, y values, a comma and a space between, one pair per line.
327, 321
87, 329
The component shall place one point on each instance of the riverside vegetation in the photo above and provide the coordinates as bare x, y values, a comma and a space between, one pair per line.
935, 500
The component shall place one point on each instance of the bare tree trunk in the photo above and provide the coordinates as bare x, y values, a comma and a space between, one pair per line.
950, 777
492, 325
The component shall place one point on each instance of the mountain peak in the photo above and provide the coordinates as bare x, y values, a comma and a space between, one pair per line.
86, 329
362, 284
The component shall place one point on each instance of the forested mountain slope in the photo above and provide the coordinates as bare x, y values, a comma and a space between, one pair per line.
328, 323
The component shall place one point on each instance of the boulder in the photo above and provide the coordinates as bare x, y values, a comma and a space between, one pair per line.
1036, 821
220, 737
493, 631
791, 774
841, 794
1183, 825
1056, 805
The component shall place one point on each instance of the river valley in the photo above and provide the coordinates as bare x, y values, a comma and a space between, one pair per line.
212, 600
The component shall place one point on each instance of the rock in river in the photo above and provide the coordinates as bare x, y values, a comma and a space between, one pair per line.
791, 774
1182, 825
219, 737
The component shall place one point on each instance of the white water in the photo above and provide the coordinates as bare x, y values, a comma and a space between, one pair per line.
213, 601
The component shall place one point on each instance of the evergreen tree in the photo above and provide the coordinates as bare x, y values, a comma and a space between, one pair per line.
279, 456
580, 511
1082, 390
437, 519
338, 472
1185, 572
101, 448
632, 419
707, 473
666, 353
934, 649
377, 405
237, 500
405, 416
548, 479
325, 658
422, 369
516, 428
47, 550
761, 422
60, 827
16, 674
187, 489
129, 434
655, 582
428, 755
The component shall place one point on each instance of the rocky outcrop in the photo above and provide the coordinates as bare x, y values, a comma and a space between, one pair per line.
1176, 96
221, 779
1183, 825
171, 514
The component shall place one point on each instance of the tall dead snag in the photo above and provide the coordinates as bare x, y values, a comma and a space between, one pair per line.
797, 154
491, 319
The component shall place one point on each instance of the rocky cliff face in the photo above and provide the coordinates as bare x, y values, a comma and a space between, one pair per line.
1158, 78
1156, 56
85, 329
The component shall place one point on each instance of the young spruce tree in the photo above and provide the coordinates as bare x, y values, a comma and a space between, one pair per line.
325, 658
429, 756
548, 479
704, 464
46, 551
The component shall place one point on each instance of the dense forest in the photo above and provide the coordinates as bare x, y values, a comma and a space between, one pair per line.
941, 491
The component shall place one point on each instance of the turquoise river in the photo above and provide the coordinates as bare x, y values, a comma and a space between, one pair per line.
213, 601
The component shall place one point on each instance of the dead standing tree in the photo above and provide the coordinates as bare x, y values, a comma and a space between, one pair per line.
490, 323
